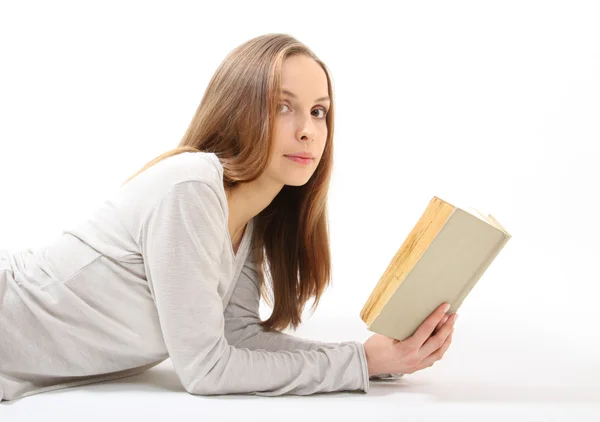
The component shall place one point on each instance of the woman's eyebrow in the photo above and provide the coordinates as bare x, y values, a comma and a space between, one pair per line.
286, 92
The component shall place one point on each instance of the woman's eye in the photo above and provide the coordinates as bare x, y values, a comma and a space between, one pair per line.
324, 112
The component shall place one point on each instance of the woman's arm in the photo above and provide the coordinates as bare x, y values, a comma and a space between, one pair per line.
242, 322
181, 241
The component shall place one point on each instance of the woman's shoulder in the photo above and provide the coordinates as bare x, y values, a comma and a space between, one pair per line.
202, 166
183, 167
139, 195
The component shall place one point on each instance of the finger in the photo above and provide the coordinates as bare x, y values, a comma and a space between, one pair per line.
437, 355
436, 341
440, 325
426, 328
442, 322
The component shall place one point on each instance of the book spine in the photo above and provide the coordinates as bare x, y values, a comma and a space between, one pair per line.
455, 304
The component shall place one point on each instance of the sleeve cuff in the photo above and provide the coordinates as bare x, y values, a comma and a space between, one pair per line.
387, 377
364, 366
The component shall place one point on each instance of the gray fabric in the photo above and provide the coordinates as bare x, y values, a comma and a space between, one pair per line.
151, 274
242, 320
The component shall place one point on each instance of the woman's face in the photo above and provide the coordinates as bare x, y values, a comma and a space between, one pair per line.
300, 125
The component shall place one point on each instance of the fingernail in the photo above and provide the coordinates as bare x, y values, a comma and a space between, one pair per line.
455, 317
446, 307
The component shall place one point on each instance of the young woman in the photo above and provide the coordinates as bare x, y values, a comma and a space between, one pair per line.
173, 264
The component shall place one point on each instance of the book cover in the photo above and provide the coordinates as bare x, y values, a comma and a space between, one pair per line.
443, 257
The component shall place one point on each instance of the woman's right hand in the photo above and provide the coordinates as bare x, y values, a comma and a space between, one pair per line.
426, 346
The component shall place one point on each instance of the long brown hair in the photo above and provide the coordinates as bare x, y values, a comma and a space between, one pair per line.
235, 121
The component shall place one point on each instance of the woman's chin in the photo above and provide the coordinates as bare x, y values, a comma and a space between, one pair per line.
296, 179
296, 182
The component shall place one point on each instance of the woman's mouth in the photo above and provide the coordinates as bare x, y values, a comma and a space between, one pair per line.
300, 160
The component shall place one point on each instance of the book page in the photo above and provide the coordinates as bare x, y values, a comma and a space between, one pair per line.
488, 219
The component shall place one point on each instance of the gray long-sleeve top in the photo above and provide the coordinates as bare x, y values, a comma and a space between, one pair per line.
152, 274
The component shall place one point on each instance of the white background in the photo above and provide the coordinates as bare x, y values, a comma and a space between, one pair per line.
492, 105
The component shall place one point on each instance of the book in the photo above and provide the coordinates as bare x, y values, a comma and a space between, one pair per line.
441, 260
